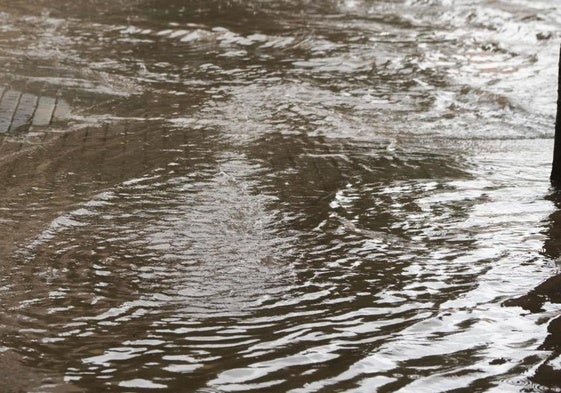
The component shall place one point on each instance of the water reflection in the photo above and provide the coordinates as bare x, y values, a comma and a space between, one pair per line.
278, 196
548, 372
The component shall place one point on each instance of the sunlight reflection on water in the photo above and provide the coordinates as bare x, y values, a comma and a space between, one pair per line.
288, 196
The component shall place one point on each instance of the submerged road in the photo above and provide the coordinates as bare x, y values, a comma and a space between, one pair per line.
291, 196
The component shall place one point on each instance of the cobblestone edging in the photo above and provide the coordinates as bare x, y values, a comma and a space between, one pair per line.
19, 111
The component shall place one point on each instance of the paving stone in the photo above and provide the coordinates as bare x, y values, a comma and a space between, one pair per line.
8, 105
19, 111
24, 111
44, 111
62, 110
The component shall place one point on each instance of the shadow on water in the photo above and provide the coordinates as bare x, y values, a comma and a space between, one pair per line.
548, 373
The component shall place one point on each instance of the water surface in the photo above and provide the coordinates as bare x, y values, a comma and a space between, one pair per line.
283, 196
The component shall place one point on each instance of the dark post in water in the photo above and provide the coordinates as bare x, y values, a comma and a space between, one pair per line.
556, 169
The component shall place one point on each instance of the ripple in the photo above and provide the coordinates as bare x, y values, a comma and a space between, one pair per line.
298, 196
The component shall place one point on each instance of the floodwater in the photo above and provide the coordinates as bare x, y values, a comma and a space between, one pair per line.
281, 196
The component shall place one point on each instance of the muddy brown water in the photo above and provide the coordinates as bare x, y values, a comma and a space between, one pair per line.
281, 196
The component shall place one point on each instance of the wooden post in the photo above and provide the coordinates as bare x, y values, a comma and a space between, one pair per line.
556, 167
